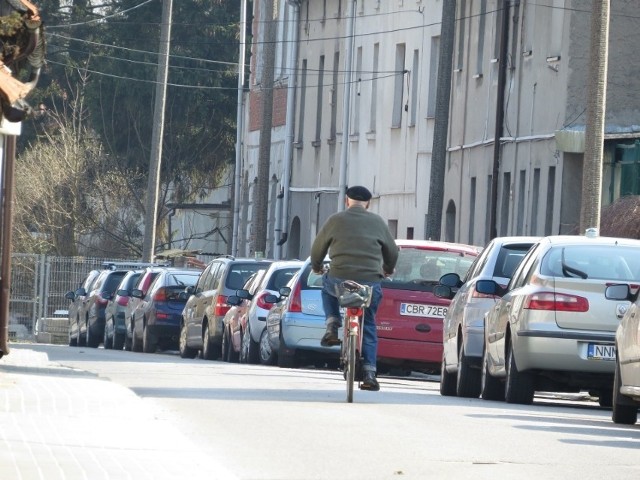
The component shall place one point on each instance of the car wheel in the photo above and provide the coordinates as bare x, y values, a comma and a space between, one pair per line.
447, 381
625, 411
106, 340
285, 359
92, 341
228, 355
185, 350
82, 339
128, 339
518, 385
136, 342
267, 355
149, 341
469, 378
491, 388
250, 351
73, 341
209, 350
118, 341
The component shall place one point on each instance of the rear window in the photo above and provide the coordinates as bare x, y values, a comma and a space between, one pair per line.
240, 273
112, 281
181, 279
508, 260
606, 262
280, 278
421, 269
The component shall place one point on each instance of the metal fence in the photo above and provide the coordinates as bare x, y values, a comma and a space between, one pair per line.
39, 283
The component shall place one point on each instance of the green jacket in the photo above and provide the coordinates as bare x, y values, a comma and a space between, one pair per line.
359, 244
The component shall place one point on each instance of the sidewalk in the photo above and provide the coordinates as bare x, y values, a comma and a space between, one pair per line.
60, 423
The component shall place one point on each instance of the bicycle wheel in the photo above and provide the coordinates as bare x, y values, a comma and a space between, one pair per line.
351, 366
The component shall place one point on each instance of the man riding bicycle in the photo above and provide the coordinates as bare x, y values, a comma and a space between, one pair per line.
362, 249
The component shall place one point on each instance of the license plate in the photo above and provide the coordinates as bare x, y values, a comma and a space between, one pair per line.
597, 351
420, 310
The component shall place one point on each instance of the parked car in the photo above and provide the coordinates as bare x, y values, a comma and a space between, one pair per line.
115, 328
410, 316
76, 308
296, 323
232, 335
626, 377
156, 320
201, 328
144, 282
463, 331
553, 329
255, 347
91, 315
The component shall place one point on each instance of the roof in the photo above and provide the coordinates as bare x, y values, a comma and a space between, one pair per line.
437, 245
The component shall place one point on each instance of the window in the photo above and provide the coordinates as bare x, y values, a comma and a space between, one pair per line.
534, 201
374, 88
551, 184
472, 208
462, 22
393, 227
521, 193
497, 31
504, 205
481, 33
414, 87
334, 96
355, 124
433, 76
303, 93
398, 89
319, 101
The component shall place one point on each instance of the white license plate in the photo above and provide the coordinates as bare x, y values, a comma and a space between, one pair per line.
597, 351
420, 310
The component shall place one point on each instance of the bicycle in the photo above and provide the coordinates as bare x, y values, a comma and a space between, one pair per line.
355, 299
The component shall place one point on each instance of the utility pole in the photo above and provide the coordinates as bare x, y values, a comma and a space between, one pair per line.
239, 126
596, 106
346, 105
260, 210
153, 185
441, 125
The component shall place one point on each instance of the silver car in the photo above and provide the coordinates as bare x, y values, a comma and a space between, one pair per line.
554, 329
463, 329
626, 382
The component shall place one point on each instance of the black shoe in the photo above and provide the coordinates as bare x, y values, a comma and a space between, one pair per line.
330, 338
369, 382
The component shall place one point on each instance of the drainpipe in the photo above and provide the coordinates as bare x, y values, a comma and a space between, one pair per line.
502, 80
288, 141
239, 128
346, 104
9, 152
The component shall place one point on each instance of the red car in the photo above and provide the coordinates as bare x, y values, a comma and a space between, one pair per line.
410, 317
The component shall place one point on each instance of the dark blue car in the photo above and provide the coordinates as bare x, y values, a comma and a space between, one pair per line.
156, 319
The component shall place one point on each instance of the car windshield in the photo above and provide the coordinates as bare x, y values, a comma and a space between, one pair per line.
611, 262
419, 268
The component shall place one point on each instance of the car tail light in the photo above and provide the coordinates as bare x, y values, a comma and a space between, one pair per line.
160, 295
221, 307
122, 300
295, 302
261, 303
560, 302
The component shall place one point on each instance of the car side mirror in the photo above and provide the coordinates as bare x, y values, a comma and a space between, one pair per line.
243, 294
234, 300
70, 296
137, 293
270, 298
81, 292
284, 291
123, 293
619, 292
183, 295
451, 280
489, 287
190, 289
443, 291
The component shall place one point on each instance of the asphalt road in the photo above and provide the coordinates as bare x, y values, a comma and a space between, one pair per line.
271, 423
